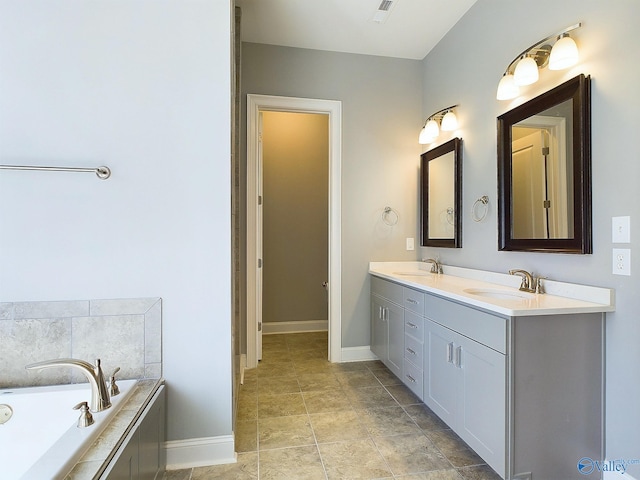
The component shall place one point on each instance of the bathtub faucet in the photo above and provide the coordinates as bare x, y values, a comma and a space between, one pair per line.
99, 393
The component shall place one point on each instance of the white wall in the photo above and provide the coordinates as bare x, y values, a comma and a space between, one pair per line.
465, 68
143, 87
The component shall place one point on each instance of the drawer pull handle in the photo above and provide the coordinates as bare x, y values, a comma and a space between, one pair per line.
411, 379
411, 300
411, 325
412, 352
450, 352
459, 357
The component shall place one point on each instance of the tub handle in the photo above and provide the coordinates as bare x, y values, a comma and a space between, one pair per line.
85, 418
113, 388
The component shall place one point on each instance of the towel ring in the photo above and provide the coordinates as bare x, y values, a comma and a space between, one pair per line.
484, 201
390, 216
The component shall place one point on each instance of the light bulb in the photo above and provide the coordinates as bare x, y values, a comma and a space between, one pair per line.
429, 133
449, 122
526, 72
564, 53
507, 89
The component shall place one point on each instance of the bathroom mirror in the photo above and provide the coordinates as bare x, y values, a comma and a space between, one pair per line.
441, 194
544, 172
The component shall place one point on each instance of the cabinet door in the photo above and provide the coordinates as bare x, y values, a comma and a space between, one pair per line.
395, 326
126, 467
481, 410
379, 331
440, 382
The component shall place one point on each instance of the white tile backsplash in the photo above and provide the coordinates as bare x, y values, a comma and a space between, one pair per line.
125, 333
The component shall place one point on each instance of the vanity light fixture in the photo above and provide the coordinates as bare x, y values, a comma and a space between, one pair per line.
524, 69
431, 129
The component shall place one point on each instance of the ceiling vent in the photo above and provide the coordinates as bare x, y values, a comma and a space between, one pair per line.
383, 11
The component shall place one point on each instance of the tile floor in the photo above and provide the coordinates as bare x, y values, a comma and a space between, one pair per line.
301, 417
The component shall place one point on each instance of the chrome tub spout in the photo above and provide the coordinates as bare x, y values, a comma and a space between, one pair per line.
99, 393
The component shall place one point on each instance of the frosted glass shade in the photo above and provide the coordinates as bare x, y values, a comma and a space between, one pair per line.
449, 122
429, 133
564, 54
507, 89
526, 72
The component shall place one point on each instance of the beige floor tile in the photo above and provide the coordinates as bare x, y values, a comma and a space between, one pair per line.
480, 472
184, 474
411, 454
277, 385
370, 397
449, 474
385, 377
403, 395
425, 418
318, 381
276, 370
281, 432
246, 468
280, 405
337, 426
357, 459
246, 436
454, 448
299, 463
357, 379
381, 422
321, 401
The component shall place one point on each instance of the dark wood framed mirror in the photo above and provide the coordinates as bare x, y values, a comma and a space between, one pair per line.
544, 172
441, 195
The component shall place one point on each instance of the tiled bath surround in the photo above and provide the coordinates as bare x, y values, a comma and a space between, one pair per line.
125, 333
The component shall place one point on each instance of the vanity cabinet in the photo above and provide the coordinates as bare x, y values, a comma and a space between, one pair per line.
525, 392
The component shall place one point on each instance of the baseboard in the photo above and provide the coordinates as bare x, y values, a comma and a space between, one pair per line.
243, 367
357, 354
296, 326
200, 452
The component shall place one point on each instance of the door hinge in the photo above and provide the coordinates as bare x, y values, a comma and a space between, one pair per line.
259, 263
545, 151
259, 199
259, 326
546, 204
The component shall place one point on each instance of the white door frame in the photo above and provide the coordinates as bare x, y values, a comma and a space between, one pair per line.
332, 108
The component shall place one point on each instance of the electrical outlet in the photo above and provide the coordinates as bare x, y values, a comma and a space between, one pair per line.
410, 244
621, 229
621, 261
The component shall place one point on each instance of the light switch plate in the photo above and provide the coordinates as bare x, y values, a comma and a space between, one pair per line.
621, 261
621, 229
410, 244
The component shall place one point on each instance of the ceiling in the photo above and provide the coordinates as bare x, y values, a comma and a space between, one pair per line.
410, 30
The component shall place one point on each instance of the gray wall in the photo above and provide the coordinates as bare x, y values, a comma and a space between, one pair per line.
381, 116
143, 87
465, 68
295, 167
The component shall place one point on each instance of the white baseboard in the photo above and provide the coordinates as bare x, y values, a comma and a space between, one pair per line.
243, 367
296, 326
200, 452
357, 354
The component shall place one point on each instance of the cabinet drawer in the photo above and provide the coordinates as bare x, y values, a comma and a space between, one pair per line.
386, 289
413, 350
414, 325
413, 300
413, 378
487, 329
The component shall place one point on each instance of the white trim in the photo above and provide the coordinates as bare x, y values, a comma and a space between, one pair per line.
295, 326
200, 452
357, 354
243, 367
333, 108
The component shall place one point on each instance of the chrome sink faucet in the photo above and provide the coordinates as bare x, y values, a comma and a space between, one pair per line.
529, 283
99, 393
435, 266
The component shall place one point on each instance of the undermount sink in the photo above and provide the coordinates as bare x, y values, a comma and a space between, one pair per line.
415, 273
499, 294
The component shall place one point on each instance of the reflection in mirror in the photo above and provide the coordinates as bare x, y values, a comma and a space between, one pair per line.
544, 172
441, 195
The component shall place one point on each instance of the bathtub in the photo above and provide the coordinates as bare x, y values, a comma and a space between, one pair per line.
41, 440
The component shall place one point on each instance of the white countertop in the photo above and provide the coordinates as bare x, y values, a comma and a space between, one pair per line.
458, 283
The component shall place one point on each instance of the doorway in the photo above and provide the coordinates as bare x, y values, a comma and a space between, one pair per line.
257, 105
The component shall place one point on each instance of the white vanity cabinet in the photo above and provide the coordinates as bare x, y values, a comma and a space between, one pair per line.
387, 332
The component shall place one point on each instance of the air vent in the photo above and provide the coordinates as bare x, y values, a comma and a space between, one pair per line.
383, 11
385, 6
